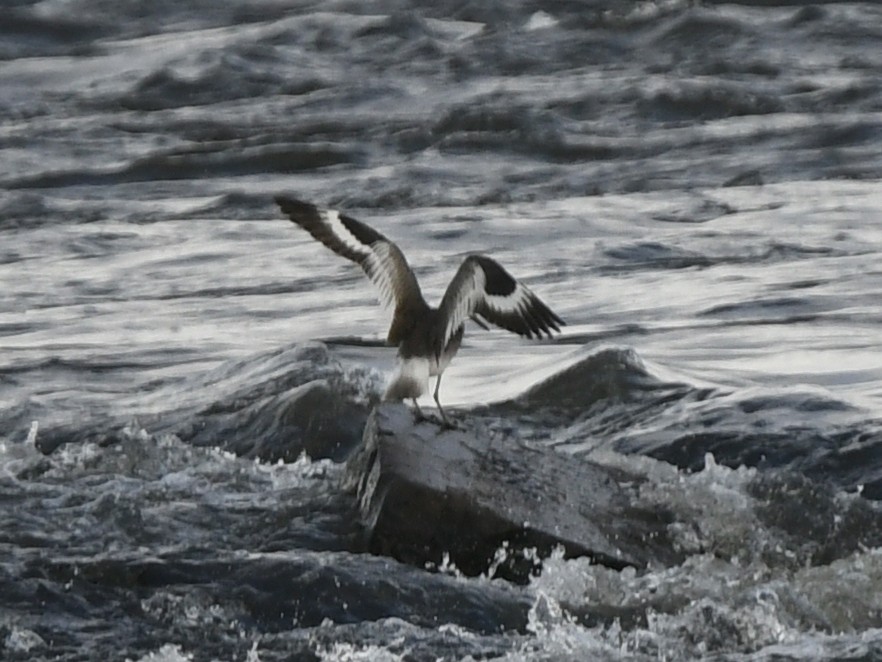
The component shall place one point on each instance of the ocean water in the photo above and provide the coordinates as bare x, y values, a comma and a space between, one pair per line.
693, 186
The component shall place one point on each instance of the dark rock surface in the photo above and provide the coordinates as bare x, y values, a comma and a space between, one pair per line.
424, 491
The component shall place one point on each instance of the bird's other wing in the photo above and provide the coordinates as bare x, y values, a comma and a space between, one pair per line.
381, 259
481, 288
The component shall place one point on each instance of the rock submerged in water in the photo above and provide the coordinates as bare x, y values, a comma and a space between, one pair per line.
279, 405
311, 418
424, 492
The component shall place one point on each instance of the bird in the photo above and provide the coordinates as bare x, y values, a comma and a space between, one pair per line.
427, 337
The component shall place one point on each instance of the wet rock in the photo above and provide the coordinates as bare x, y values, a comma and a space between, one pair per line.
609, 375
424, 492
313, 418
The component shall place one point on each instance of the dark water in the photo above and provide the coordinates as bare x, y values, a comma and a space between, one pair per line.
694, 187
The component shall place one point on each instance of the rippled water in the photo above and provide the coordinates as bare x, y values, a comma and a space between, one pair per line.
693, 187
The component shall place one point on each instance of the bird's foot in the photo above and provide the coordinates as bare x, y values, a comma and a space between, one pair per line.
420, 417
448, 424
441, 421
452, 425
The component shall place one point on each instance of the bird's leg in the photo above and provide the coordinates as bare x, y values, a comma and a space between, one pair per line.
444, 418
418, 413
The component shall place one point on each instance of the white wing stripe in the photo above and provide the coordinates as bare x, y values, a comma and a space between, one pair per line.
331, 218
381, 259
469, 296
519, 311
378, 256
516, 302
383, 266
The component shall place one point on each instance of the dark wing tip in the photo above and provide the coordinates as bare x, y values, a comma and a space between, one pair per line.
530, 318
498, 281
552, 319
294, 206
544, 319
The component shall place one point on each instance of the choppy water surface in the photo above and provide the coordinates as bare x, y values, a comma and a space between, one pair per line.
693, 187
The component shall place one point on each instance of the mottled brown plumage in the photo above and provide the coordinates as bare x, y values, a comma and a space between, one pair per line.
427, 338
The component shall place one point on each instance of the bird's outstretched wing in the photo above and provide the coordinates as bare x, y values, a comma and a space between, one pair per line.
481, 288
381, 259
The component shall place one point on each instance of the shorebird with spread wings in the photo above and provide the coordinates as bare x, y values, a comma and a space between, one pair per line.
427, 338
